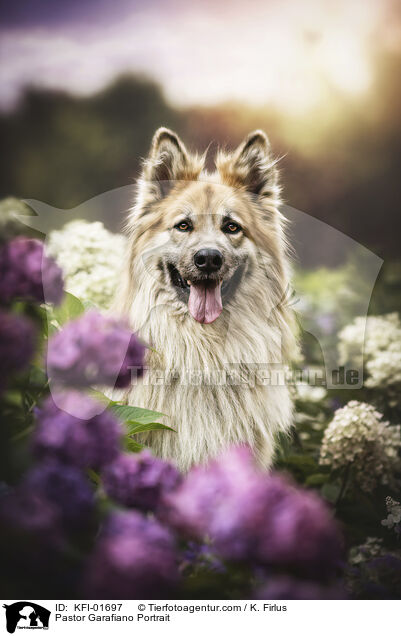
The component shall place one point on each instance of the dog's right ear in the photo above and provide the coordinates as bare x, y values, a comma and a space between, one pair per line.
168, 161
168, 158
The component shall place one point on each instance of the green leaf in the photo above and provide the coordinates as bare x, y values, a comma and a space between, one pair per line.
318, 479
94, 476
70, 308
135, 414
131, 445
26, 431
330, 492
100, 397
88, 304
137, 427
304, 463
37, 377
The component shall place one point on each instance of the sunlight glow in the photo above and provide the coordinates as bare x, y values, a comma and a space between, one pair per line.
292, 56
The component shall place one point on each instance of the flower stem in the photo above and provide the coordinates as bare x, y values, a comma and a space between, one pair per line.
343, 485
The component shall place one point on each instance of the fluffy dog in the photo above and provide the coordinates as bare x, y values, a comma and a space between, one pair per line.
206, 287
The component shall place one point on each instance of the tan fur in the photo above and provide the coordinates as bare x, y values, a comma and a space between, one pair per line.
255, 327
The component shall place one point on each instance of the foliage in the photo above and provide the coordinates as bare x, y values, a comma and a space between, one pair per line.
103, 516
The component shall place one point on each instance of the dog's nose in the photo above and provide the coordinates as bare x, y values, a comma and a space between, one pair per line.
208, 260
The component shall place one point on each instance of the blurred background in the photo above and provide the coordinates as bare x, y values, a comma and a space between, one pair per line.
85, 83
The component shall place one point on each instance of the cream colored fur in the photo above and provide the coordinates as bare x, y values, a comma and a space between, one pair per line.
255, 327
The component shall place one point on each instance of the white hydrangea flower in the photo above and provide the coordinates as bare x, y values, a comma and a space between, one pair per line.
357, 437
370, 549
381, 344
90, 257
385, 367
393, 518
372, 334
310, 393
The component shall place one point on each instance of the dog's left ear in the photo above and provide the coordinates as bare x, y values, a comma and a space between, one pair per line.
251, 166
168, 161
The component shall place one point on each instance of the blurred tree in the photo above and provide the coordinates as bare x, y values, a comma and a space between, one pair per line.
340, 163
63, 149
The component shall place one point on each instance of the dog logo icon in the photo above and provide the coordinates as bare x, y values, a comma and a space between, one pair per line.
26, 615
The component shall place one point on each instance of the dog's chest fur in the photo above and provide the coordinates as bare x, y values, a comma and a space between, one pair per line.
212, 382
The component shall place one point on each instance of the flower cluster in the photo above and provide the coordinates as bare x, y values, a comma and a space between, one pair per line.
55, 494
370, 549
52, 496
90, 257
26, 273
146, 525
357, 437
91, 440
201, 556
255, 517
17, 343
31, 512
234, 511
309, 393
371, 334
373, 571
393, 519
134, 557
244, 515
62, 486
384, 369
379, 338
140, 481
94, 349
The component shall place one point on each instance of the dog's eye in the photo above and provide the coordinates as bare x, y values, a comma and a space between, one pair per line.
183, 226
231, 228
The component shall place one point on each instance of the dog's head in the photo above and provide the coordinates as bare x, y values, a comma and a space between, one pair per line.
202, 236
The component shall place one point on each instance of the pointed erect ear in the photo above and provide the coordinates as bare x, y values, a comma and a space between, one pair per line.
251, 166
168, 156
168, 161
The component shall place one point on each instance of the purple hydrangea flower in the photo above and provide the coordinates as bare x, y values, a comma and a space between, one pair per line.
17, 343
27, 273
287, 588
134, 558
64, 487
94, 349
381, 578
224, 500
51, 498
139, 480
29, 511
91, 440
200, 556
301, 532
251, 515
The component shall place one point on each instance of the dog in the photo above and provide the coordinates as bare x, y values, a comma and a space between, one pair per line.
205, 285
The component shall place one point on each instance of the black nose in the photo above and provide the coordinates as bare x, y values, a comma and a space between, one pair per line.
208, 260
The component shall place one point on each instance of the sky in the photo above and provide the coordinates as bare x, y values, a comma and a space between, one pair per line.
290, 54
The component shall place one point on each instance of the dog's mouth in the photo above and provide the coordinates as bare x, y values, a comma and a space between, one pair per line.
203, 295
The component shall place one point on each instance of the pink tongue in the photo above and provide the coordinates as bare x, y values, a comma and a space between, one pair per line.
204, 302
